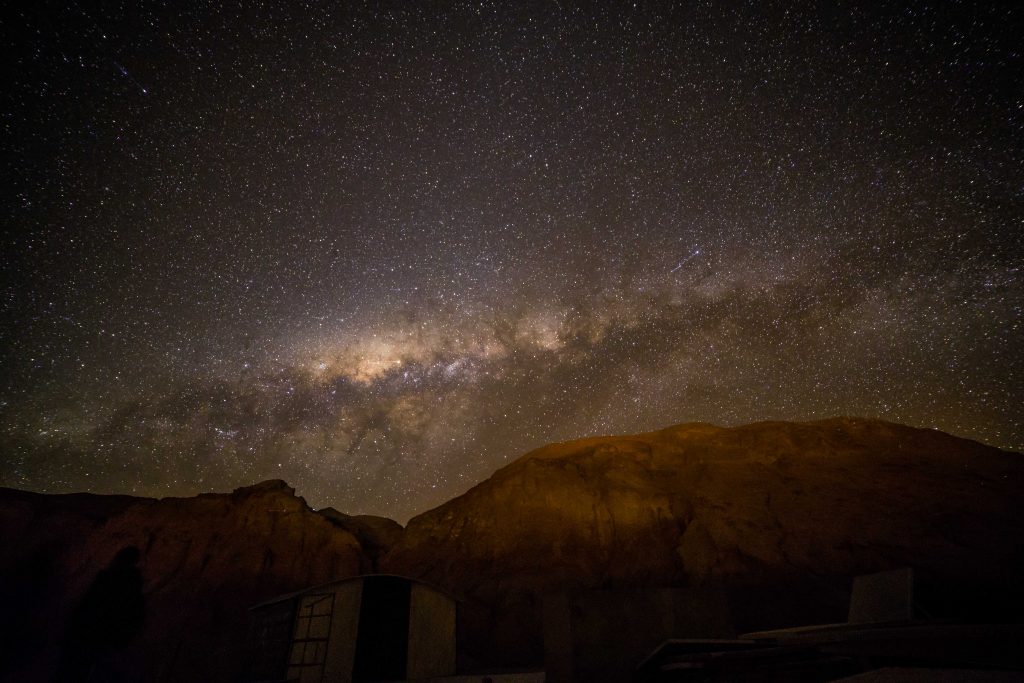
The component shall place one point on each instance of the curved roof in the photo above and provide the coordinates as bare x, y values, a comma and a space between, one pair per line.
357, 577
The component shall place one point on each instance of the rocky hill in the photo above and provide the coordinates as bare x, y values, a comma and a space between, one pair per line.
203, 562
777, 515
782, 514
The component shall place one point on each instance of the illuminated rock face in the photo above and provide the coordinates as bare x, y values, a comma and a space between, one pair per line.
758, 508
204, 562
778, 516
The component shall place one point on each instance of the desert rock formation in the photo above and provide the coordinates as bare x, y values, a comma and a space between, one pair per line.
781, 513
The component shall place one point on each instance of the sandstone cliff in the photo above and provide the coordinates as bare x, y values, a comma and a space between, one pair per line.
204, 562
780, 513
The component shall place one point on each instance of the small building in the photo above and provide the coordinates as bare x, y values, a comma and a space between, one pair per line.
364, 628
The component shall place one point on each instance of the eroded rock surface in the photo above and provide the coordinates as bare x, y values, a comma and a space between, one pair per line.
204, 562
778, 515
789, 510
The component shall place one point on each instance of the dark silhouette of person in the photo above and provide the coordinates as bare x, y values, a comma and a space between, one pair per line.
109, 615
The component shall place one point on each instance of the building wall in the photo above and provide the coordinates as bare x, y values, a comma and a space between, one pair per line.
270, 640
325, 633
431, 634
344, 628
310, 637
330, 614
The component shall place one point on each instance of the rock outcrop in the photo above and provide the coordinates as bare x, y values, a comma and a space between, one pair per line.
782, 514
778, 516
375, 534
203, 562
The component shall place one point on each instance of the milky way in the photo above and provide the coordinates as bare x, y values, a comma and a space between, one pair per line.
380, 250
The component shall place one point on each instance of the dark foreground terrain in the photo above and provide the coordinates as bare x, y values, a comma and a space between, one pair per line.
774, 517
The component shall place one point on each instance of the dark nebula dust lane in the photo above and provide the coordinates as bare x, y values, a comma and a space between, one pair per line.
379, 249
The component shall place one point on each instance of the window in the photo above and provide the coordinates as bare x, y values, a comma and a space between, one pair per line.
312, 630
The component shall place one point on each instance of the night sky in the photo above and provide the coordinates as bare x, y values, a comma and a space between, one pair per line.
380, 250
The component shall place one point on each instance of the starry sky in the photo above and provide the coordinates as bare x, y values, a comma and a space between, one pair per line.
381, 249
